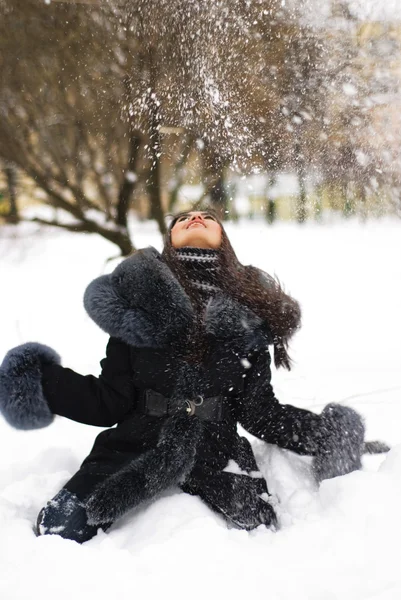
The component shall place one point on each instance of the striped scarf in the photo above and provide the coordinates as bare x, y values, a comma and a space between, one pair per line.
202, 269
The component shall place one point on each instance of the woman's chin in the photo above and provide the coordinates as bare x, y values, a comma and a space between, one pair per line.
197, 241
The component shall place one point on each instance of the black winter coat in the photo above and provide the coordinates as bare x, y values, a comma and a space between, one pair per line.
144, 309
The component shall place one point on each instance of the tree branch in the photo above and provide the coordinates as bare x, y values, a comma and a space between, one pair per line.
116, 236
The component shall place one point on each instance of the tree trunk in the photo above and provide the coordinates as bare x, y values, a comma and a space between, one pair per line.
271, 211
319, 202
270, 203
11, 176
121, 239
348, 205
301, 172
218, 195
129, 182
363, 203
214, 173
154, 190
179, 171
154, 181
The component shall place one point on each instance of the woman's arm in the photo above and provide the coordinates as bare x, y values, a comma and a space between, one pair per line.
284, 425
101, 401
34, 387
260, 413
335, 438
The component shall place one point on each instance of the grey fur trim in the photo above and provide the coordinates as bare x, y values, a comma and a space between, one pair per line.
144, 305
225, 318
150, 474
342, 442
137, 301
22, 402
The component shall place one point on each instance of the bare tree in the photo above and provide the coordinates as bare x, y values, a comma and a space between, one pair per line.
92, 89
61, 117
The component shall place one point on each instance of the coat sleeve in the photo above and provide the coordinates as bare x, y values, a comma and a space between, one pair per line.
101, 401
286, 426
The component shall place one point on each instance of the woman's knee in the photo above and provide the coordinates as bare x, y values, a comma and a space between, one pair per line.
65, 515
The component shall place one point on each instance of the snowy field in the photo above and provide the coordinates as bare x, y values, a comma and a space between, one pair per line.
339, 542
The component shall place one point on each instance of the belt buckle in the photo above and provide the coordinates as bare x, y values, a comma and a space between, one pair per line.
193, 404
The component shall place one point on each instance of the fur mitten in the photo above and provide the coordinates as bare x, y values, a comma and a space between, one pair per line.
22, 402
341, 442
150, 474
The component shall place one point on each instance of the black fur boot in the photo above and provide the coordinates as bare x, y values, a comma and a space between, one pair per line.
65, 515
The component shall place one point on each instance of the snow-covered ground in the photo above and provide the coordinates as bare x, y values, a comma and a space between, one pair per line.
339, 542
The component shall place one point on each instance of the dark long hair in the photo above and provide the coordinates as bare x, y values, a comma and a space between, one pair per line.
248, 285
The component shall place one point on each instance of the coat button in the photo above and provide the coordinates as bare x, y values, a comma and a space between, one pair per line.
190, 407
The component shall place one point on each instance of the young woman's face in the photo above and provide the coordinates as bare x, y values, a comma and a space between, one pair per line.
196, 229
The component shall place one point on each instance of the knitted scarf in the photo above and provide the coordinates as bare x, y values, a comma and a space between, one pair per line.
202, 269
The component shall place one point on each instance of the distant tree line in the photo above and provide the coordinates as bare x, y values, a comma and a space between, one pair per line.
104, 104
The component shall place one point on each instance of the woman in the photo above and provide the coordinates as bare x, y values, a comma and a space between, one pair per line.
188, 358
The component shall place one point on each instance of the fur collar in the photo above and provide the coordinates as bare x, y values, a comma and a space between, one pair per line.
143, 304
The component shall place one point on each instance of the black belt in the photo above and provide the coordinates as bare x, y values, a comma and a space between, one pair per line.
157, 405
